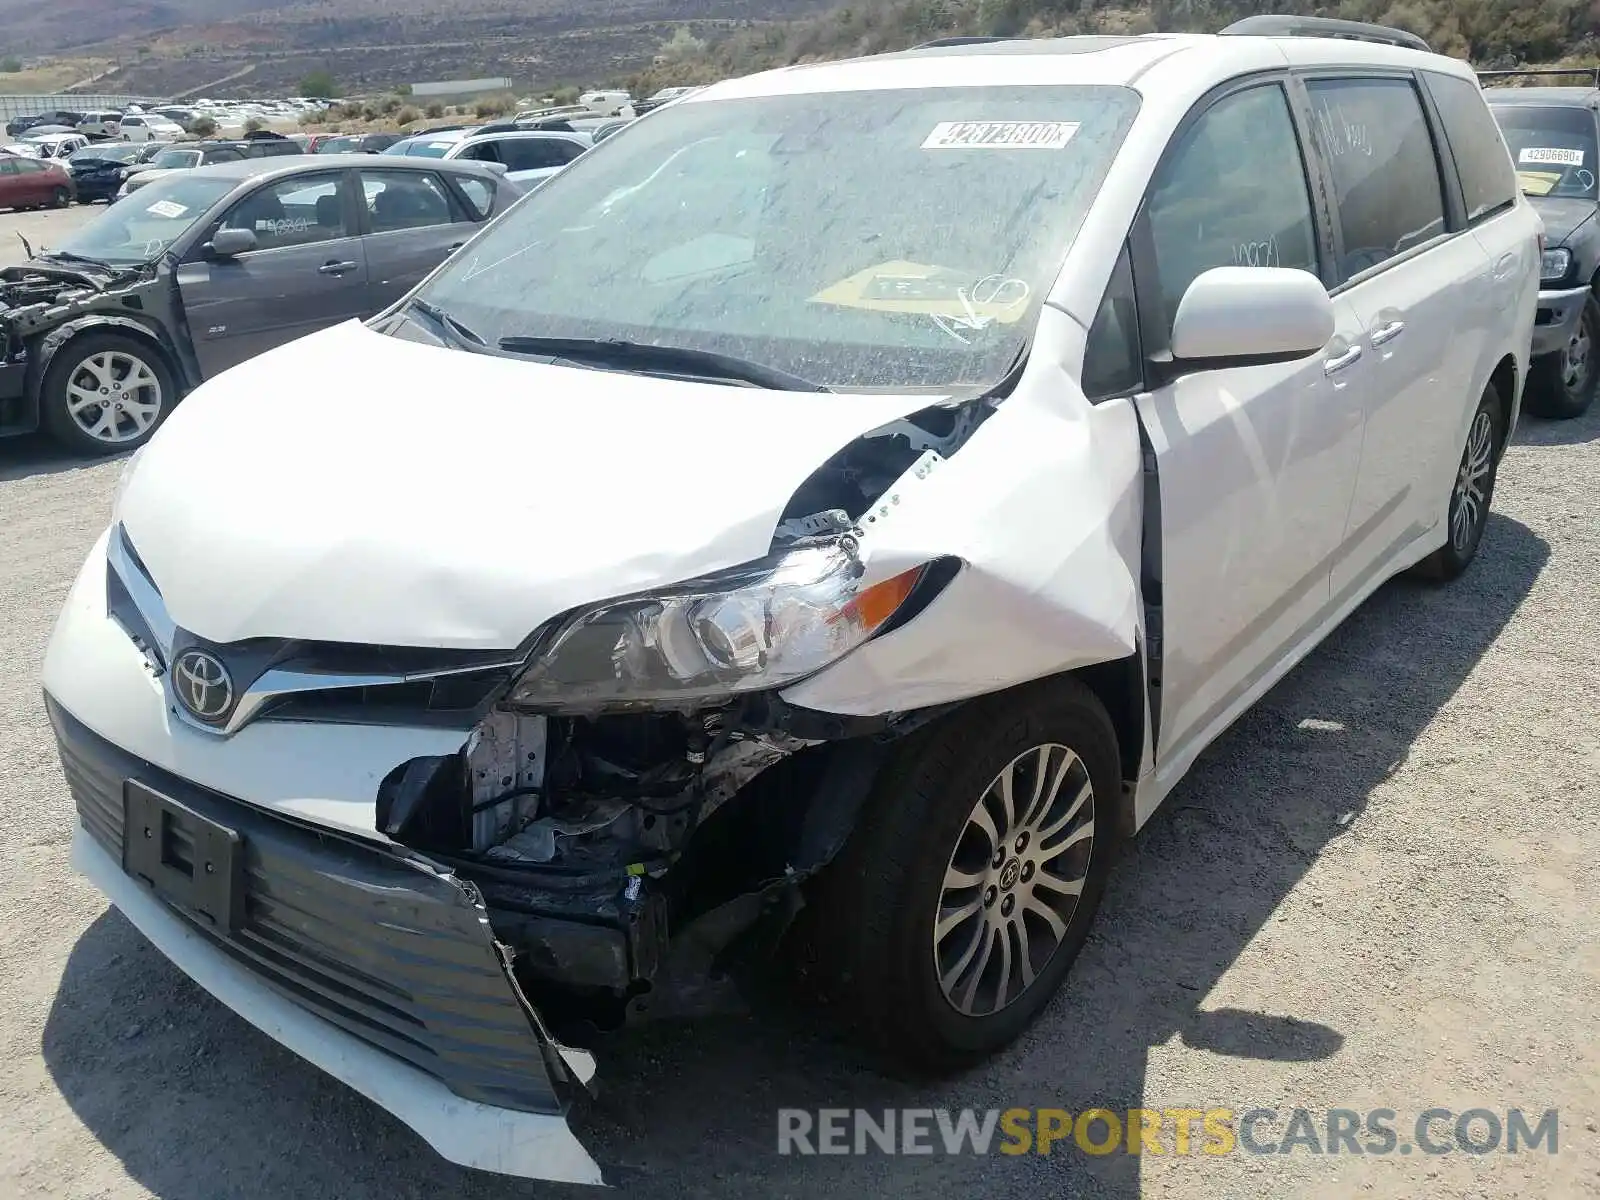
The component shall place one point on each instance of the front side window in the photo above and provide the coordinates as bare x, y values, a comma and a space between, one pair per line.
899, 238
1553, 148
1232, 194
298, 211
404, 200
1380, 153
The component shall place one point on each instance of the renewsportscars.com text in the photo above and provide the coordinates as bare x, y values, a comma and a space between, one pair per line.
1175, 1131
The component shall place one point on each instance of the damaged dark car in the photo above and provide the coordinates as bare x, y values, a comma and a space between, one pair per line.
102, 335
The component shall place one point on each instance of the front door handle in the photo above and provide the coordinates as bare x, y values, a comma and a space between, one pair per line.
1388, 333
1504, 267
336, 268
1340, 361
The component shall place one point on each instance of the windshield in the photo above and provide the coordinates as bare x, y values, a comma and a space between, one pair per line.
883, 239
123, 153
138, 228
170, 159
1554, 148
339, 145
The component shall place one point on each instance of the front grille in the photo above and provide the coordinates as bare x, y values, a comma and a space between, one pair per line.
390, 951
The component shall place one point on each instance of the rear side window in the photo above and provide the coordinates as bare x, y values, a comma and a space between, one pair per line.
1488, 181
535, 154
1385, 173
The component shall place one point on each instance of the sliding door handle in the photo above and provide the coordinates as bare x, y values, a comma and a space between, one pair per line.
1387, 333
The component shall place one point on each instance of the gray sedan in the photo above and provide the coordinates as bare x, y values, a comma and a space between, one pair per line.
206, 267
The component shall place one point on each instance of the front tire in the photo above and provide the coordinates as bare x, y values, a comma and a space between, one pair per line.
1473, 492
60, 198
105, 393
1562, 385
967, 889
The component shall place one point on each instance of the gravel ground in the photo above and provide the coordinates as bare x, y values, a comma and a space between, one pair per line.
1377, 890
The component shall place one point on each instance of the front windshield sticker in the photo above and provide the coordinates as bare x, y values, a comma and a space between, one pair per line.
1551, 154
1000, 135
167, 208
948, 297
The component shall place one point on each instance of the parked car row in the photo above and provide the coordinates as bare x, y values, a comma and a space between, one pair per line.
727, 530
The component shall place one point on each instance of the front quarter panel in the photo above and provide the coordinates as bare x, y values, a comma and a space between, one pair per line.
1043, 508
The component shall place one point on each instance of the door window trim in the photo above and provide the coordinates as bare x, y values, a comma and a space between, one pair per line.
1300, 78
1155, 337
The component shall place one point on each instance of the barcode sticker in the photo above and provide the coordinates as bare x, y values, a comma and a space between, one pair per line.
1000, 135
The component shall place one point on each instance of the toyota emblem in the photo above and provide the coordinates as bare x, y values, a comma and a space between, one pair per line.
202, 685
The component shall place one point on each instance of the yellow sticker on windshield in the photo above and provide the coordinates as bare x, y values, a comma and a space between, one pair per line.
1537, 183
1000, 135
922, 290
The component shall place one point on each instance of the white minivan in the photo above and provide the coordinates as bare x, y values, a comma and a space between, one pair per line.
873, 490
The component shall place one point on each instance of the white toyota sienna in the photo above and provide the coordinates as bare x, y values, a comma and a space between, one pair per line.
863, 487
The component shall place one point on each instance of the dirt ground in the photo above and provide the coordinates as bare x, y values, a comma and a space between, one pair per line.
1378, 890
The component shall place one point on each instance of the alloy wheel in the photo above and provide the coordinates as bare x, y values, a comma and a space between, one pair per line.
1014, 880
1575, 356
114, 396
1470, 506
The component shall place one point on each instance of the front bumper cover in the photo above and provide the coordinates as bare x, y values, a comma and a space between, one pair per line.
1556, 317
369, 963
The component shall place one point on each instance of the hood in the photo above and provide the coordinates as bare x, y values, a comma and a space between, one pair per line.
355, 487
140, 175
1562, 216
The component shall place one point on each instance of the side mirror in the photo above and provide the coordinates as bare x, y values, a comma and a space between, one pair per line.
1244, 316
230, 243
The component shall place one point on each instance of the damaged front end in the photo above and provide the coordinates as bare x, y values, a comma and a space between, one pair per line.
638, 803
46, 301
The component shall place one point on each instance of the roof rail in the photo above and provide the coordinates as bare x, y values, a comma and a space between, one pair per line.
960, 41
1274, 25
1528, 73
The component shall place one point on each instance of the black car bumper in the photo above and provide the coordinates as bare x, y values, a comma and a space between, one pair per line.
390, 950
92, 187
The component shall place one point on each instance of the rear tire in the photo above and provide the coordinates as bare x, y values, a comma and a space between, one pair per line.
1562, 385
1472, 493
60, 198
105, 393
924, 858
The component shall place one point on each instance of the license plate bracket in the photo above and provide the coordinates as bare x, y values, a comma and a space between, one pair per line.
187, 859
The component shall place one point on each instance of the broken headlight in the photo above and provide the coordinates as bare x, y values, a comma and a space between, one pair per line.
747, 630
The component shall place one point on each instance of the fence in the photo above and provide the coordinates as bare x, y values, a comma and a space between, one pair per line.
26, 106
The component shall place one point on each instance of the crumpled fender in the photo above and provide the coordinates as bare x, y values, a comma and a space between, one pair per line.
51, 343
1043, 506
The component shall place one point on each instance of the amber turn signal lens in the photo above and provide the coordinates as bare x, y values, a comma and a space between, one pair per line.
878, 603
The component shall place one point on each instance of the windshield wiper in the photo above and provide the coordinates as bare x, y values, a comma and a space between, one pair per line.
458, 331
645, 358
69, 256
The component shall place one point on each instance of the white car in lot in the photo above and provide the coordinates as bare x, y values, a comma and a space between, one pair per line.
876, 487
148, 127
530, 157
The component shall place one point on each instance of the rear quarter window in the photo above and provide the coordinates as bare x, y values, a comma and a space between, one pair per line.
1488, 180
479, 194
